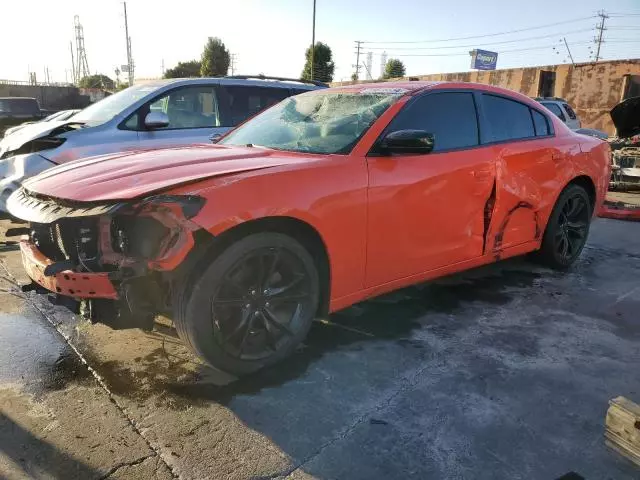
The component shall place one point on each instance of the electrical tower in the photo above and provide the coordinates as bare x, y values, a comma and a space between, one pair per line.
82, 64
368, 65
234, 57
600, 27
383, 63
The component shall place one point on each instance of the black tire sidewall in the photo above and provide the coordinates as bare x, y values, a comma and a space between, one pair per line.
197, 324
548, 251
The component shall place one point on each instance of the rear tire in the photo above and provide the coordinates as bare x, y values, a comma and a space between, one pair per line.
251, 306
567, 229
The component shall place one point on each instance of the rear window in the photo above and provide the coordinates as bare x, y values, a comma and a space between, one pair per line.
570, 112
19, 105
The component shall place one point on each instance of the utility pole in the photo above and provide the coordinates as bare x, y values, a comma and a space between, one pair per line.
357, 65
162, 67
313, 39
129, 59
570, 56
74, 79
603, 16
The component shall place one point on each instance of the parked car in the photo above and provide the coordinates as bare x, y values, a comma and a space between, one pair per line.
17, 110
157, 114
625, 173
324, 200
561, 109
61, 115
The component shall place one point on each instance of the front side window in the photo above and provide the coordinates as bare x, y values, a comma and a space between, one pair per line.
508, 119
190, 107
555, 109
449, 116
316, 122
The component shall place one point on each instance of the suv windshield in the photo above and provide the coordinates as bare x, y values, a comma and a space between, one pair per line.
109, 107
327, 122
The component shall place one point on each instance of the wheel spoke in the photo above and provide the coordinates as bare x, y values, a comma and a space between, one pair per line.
271, 270
284, 288
271, 318
244, 323
564, 249
289, 298
576, 207
269, 333
245, 335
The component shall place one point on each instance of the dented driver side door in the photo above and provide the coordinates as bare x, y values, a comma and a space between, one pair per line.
428, 211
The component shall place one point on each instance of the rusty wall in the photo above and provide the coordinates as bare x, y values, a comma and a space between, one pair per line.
591, 89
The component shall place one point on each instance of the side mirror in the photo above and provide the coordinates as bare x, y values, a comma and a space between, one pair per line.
155, 120
408, 141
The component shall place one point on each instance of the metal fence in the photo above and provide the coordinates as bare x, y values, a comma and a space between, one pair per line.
37, 84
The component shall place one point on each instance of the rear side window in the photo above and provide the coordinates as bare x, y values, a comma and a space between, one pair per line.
540, 123
508, 119
19, 106
569, 110
555, 109
449, 116
239, 102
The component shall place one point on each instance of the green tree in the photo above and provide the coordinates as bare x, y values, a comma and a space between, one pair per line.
215, 59
97, 81
323, 65
394, 69
184, 70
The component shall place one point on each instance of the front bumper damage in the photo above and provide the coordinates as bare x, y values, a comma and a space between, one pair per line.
113, 261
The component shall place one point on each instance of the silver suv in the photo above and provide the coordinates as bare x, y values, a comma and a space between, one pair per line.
562, 110
162, 113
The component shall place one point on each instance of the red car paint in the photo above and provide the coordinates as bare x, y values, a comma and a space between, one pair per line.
386, 222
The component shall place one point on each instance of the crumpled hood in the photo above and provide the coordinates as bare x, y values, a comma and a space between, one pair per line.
30, 132
127, 175
626, 117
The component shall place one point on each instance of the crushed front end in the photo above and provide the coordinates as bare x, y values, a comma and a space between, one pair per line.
113, 260
625, 168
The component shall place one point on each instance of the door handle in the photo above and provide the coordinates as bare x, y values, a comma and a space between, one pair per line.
482, 173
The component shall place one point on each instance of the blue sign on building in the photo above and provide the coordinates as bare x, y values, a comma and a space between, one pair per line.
483, 59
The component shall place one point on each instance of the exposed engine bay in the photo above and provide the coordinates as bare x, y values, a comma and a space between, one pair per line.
625, 165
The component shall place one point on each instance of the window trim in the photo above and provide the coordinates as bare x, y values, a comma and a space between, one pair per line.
374, 152
488, 141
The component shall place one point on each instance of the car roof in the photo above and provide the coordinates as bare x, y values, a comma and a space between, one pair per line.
416, 87
249, 82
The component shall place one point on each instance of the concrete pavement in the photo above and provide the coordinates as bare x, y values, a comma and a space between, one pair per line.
503, 372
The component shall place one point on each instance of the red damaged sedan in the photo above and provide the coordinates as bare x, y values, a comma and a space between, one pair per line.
324, 200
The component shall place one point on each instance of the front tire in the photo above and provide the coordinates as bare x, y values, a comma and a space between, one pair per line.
567, 228
252, 305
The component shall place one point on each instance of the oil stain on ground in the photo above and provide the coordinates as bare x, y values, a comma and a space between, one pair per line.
34, 356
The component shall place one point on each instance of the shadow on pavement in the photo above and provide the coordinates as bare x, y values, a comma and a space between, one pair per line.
38, 458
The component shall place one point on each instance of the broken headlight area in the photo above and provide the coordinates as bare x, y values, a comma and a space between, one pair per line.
136, 245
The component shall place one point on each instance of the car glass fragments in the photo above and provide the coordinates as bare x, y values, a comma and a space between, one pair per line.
314, 122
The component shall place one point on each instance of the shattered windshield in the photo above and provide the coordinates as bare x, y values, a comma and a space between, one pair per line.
315, 122
107, 108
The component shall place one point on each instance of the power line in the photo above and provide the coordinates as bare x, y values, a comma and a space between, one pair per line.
492, 34
484, 44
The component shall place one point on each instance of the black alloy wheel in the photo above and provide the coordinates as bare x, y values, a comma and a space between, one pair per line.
573, 225
567, 228
252, 305
259, 305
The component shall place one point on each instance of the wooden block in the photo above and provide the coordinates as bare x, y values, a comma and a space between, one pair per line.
623, 428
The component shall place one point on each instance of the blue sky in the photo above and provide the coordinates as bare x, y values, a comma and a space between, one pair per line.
270, 36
